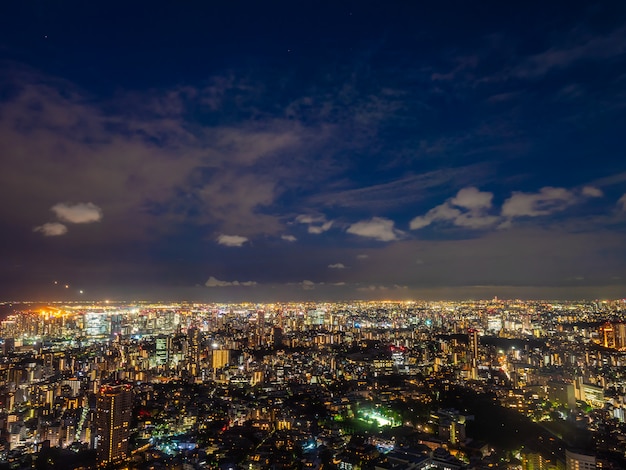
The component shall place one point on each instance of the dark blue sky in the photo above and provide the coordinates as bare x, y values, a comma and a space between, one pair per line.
312, 150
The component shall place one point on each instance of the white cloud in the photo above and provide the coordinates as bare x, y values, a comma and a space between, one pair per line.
419, 222
337, 266
309, 219
81, 213
621, 202
362, 256
441, 212
591, 191
377, 228
473, 205
307, 285
51, 229
231, 240
472, 198
373, 288
317, 229
288, 238
317, 223
547, 201
214, 282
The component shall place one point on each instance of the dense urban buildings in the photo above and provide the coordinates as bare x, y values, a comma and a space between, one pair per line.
370, 385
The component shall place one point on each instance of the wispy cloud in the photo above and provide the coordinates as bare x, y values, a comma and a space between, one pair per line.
232, 240
378, 228
621, 203
51, 229
375, 288
150, 160
337, 266
406, 190
581, 47
469, 208
592, 191
214, 282
547, 200
288, 238
316, 223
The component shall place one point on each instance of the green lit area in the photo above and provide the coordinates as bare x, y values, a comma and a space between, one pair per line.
378, 418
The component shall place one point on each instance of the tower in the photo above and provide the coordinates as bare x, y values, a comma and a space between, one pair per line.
473, 352
113, 412
162, 350
194, 341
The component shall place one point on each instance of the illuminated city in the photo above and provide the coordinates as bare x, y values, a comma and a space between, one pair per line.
312, 235
442, 385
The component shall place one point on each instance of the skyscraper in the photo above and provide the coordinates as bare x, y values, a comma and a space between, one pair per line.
113, 413
473, 351
194, 338
162, 350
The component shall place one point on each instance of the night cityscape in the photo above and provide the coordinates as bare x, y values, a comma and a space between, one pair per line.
380, 385
324, 235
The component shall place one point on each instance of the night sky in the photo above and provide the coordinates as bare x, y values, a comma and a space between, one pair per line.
246, 150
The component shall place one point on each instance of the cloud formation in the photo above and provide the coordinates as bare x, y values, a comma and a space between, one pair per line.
337, 266
214, 282
469, 208
51, 229
374, 288
378, 228
232, 240
546, 201
582, 48
80, 213
591, 191
316, 223
241, 154
472, 198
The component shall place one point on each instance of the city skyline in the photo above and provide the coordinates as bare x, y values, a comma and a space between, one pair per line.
370, 385
312, 151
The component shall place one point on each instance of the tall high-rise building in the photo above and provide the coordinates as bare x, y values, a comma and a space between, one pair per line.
194, 340
113, 413
162, 350
608, 335
221, 358
613, 335
277, 336
473, 352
